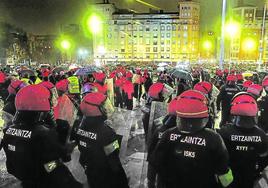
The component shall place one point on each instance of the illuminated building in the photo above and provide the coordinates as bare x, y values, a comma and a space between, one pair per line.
245, 46
155, 36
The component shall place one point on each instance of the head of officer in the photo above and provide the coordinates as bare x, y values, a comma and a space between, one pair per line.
244, 108
30, 102
96, 105
204, 87
159, 92
192, 111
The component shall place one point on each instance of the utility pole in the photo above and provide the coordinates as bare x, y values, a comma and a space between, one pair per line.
222, 34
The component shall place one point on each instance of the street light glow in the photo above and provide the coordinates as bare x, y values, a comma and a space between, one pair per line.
94, 24
232, 29
65, 44
249, 44
101, 50
207, 45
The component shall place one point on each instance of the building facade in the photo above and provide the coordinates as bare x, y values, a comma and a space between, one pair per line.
155, 36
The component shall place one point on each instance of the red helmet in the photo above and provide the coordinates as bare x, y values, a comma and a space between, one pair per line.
203, 87
172, 107
33, 98
45, 73
62, 85
265, 81
239, 77
2, 77
99, 76
226, 71
129, 74
244, 104
219, 73
247, 83
159, 88
155, 90
255, 89
231, 78
138, 71
192, 104
15, 86
47, 84
96, 104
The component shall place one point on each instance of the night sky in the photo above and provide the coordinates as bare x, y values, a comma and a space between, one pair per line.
46, 16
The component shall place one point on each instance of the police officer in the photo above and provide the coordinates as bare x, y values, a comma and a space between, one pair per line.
33, 152
99, 83
157, 92
206, 88
190, 155
13, 88
263, 118
160, 125
48, 117
227, 92
74, 87
244, 140
99, 144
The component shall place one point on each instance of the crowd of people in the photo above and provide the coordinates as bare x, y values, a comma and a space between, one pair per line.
53, 112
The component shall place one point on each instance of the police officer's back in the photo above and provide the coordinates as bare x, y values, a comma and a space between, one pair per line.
32, 150
225, 96
245, 141
99, 144
190, 155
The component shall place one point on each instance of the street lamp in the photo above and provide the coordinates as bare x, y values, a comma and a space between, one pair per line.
94, 24
232, 29
65, 44
249, 45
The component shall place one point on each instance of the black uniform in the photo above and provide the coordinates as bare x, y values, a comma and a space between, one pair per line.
244, 146
190, 160
99, 147
224, 99
160, 126
263, 118
33, 156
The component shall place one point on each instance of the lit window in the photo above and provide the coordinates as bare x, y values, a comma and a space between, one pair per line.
174, 28
162, 35
155, 35
168, 28
147, 49
148, 41
162, 49
141, 28
155, 42
168, 49
168, 35
155, 49
162, 28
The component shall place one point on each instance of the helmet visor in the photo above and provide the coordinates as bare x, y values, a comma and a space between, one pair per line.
107, 108
167, 91
54, 97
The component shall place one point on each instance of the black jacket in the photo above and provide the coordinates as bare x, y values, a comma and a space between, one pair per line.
99, 146
190, 160
244, 146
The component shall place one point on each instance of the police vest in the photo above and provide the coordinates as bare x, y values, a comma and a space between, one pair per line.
73, 86
25, 80
37, 81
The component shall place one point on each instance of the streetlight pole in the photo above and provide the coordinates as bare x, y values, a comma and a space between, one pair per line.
262, 37
222, 34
